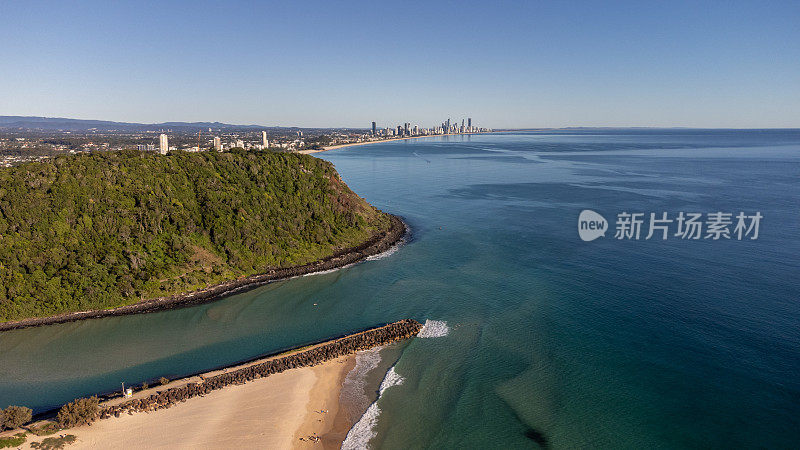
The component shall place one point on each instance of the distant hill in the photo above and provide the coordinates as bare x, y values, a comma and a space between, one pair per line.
100, 230
54, 124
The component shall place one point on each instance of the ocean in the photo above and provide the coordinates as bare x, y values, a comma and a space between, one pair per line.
534, 336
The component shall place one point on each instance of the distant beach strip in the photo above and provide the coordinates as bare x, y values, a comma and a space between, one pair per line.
379, 243
378, 141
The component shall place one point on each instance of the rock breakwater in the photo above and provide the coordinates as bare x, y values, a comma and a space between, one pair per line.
313, 355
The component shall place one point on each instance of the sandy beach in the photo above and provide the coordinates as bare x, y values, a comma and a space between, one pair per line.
272, 412
353, 144
288, 400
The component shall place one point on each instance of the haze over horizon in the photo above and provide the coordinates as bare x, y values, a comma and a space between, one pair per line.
506, 64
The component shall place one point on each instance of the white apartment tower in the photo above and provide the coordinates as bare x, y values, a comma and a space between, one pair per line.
217, 144
163, 144
264, 140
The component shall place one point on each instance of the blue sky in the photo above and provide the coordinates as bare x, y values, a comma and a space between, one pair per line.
506, 64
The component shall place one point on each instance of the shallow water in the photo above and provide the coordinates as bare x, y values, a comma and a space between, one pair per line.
550, 339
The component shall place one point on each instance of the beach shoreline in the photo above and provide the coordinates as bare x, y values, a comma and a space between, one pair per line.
271, 412
285, 400
353, 144
378, 243
324, 417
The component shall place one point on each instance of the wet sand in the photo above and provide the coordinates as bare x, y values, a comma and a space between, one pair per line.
327, 419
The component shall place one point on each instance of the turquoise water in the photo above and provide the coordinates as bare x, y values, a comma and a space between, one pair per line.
552, 340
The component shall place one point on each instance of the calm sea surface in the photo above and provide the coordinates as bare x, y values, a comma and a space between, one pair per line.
611, 343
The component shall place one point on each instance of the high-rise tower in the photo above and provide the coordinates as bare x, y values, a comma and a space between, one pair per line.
163, 144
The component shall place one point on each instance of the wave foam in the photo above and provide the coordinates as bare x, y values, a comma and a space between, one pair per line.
391, 249
323, 272
364, 430
353, 388
385, 254
392, 378
434, 328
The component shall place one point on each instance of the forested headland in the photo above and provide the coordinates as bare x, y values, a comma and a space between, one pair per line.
101, 230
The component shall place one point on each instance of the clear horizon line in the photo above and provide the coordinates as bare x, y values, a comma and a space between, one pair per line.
564, 127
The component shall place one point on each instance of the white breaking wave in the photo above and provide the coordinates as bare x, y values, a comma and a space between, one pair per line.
434, 328
382, 255
323, 272
391, 249
364, 430
392, 378
385, 254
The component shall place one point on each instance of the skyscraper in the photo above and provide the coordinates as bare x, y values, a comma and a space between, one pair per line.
373, 128
163, 144
264, 140
469, 122
217, 144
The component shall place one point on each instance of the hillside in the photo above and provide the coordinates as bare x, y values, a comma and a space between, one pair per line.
62, 123
101, 230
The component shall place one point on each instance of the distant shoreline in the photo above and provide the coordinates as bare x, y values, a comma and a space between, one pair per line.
353, 144
378, 243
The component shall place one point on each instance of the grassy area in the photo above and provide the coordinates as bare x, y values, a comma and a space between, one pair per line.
45, 429
11, 442
100, 230
54, 443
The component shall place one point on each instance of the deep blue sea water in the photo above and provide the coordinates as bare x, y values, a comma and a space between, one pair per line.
552, 340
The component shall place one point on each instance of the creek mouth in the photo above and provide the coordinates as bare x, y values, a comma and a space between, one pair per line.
199, 384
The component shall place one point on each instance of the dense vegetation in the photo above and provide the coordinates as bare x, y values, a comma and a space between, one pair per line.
14, 417
101, 230
80, 411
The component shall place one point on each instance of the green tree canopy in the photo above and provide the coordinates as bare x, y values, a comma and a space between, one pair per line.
14, 417
101, 230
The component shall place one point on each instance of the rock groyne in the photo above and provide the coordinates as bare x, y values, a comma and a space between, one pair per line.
310, 356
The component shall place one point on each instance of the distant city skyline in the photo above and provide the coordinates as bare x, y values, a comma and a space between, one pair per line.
321, 64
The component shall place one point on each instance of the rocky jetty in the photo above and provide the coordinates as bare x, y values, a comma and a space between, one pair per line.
307, 357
